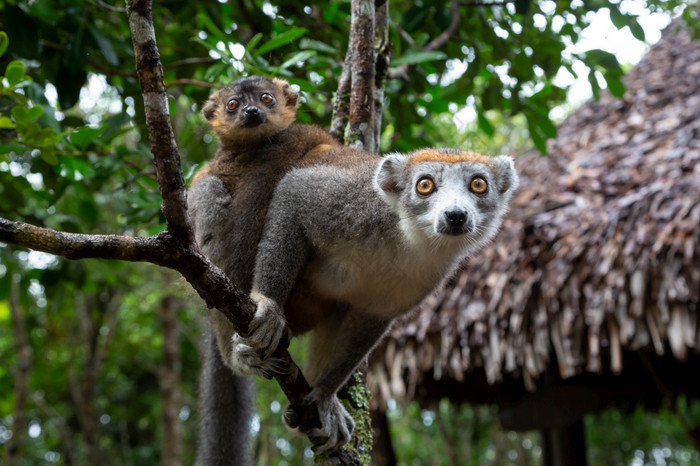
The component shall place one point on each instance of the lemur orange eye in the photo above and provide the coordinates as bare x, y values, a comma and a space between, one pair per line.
231, 105
425, 186
478, 185
266, 98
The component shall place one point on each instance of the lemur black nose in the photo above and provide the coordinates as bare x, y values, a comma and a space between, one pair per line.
251, 110
456, 218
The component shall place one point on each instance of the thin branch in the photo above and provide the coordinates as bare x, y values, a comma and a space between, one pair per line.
445, 36
475, 3
190, 61
109, 7
402, 72
163, 146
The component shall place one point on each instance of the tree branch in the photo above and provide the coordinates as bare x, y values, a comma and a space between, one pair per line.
361, 117
442, 38
160, 132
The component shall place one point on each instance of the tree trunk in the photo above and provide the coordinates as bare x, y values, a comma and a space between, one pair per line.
14, 446
170, 384
383, 452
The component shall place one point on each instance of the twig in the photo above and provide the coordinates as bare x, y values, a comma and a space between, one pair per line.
442, 39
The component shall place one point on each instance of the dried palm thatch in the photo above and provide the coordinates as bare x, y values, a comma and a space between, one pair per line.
599, 257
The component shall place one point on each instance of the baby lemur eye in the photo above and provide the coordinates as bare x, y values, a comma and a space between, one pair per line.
266, 98
478, 185
231, 105
425, 186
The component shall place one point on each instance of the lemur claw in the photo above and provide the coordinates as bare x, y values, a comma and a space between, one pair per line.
267, 328
336, 424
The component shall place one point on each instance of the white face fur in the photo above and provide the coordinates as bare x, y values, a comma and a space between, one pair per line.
456, 201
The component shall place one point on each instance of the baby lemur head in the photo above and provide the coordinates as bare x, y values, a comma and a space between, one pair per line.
251, 110
447, 194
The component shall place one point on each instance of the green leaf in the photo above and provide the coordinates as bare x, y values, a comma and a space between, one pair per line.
412, 58
105, 46
49, 156
309, 44
537, 138
14, 72
212, 28
637, 31
88, 211
255, 40
7, 148
4, 42
297, 57
282, 39
615, 84
84, 136
484, 124
6, 123
26, 115
595, 87
77, 168
617, 17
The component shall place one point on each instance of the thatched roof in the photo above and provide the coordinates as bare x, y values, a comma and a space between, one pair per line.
598, 260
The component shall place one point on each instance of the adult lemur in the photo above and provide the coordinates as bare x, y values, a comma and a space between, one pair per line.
351, 241
228, 200
348, 247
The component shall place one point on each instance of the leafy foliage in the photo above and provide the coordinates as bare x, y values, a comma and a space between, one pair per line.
74, 156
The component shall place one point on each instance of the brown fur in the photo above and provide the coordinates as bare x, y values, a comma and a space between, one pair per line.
251, 161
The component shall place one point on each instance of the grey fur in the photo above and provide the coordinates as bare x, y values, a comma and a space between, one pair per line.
226, 399
362, 239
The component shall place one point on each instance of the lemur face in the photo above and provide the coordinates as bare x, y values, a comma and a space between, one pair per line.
251, 109
447, 193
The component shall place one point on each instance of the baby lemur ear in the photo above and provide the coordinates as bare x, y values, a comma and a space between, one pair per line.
388, 178
505, 172
210, 108
291, 98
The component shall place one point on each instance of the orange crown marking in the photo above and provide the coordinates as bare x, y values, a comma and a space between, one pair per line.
436, 155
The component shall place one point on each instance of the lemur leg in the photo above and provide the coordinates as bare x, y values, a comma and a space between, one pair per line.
333, 356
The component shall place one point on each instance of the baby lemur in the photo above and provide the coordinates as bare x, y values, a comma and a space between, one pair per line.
228, 200
347, 247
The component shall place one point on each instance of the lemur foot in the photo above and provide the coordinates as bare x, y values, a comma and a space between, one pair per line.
246, 361
268, 326
336, 424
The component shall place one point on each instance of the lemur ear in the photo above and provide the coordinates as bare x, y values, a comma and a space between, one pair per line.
505, 173
209, 109
389, 175
291, 98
